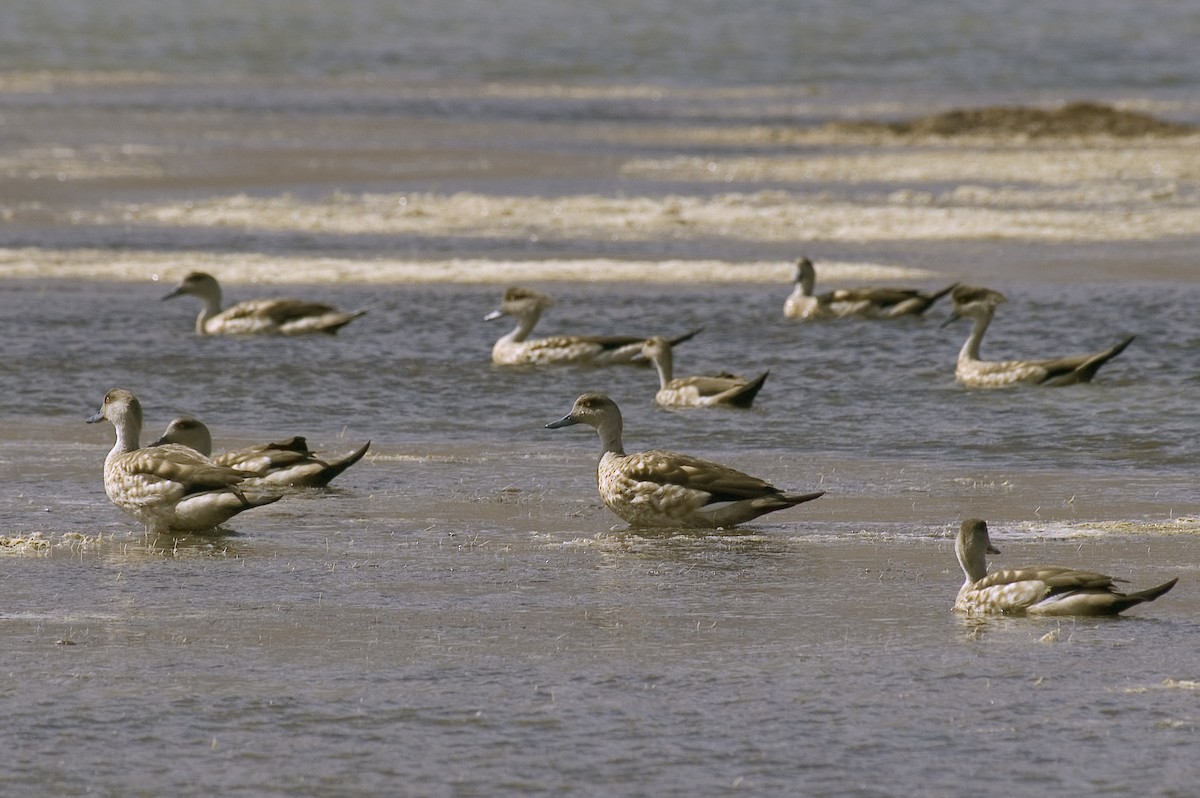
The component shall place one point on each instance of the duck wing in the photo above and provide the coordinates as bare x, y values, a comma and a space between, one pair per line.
1039, 589
722, 483
883, 297
183, 465
1079, 368
279, 311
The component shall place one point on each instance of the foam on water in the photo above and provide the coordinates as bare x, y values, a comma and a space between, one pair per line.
277, 269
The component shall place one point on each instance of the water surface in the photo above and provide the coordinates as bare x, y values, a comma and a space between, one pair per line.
458, 615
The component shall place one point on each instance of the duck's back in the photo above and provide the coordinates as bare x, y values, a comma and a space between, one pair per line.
579, 350
278, 316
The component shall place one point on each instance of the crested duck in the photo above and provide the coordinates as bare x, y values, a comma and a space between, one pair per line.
659, 488
698, 391
516, 348
1035, 590
286, 463
258, 316
979, 305
167, 487
868, 303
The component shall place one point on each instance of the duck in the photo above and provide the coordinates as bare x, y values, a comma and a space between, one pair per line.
979, 305
867, 303
258, 316
171, 487
287, 463
664, 489
1038, 589
698, 391
516, 348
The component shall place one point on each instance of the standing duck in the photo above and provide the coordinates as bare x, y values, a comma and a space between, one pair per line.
171, 487
258, 316
660, 488
1034, 590
516, 348
698, 391
867, 303
286, 463
979, 305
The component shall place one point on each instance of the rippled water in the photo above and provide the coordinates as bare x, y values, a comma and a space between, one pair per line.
454, 617
963, 46
416, 370
458, 615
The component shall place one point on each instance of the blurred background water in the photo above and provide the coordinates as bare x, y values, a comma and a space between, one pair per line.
898, 44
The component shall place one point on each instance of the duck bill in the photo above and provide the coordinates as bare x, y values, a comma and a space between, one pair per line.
174, 293
951, 319
565, 421
95, 419
495, 314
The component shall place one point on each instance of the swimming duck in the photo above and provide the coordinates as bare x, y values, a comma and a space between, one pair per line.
167, 487
258, 316
868, 303
659, 488
979, 304
288, 462
698, 391
581, 350
1034, 590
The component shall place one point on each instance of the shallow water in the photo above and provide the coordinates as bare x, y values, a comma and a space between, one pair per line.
458, 615
455, 616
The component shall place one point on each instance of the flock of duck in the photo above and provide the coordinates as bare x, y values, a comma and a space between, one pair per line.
177, 484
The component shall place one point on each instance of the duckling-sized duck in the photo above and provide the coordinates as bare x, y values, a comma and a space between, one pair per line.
698, 391
171, 487
979, 305
286, 463
259, 316
517, 348
867, 303
659, 488
1035, 590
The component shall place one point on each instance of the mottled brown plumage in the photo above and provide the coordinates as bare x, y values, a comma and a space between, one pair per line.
258, 316
698, 390
171, 487
516, 348
1038, 589
979, 305
287, 463
660, 488
866, 303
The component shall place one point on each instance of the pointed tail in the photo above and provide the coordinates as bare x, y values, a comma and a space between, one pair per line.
686, 336
340, 320
744, 396
934, 297
1093, 364
1149, 594
335, 468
